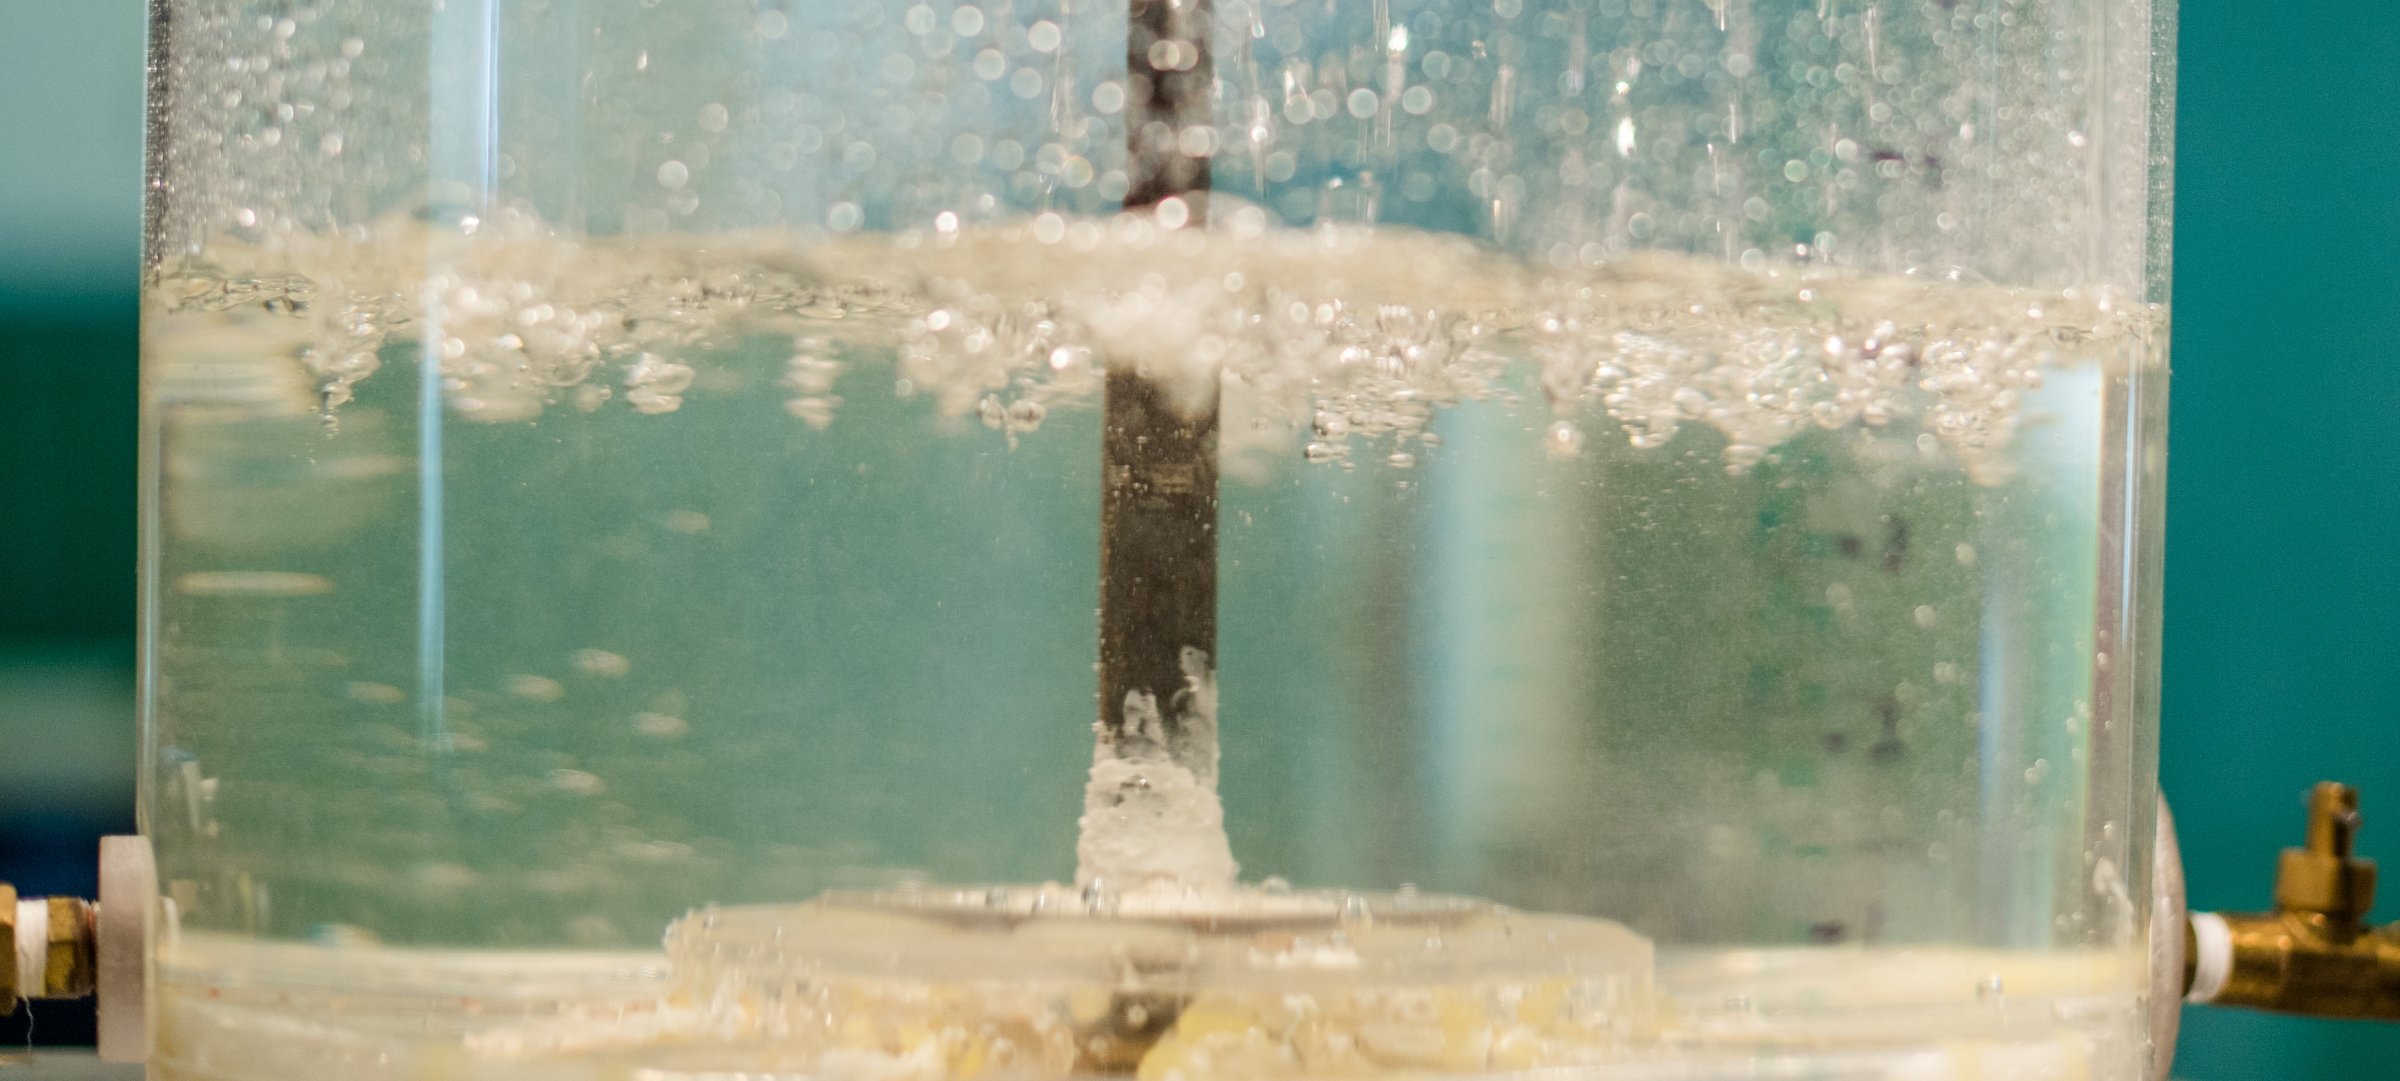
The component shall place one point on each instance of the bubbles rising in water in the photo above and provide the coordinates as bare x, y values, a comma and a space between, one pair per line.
656, 385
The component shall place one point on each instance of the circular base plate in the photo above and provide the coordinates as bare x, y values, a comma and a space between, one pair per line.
1051, 980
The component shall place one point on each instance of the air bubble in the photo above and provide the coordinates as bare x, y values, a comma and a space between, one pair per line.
601, 663
1563, 440
661, 725
578, 782
536, 688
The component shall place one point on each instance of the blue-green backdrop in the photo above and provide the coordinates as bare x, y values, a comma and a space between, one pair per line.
2282, 642
2282, 647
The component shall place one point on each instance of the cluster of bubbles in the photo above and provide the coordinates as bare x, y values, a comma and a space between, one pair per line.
809, 375
1385, 367
1762, 373
1319, 342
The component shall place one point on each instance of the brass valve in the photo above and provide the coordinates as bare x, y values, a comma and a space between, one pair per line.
47, 948
2314, 954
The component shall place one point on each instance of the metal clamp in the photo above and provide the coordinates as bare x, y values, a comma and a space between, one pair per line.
49, 948
2314, 954
68, 947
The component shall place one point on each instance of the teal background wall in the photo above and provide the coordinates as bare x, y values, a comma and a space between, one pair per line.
70, 233
2283, 504
2283, 613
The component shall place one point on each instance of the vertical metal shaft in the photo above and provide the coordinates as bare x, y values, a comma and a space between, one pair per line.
1170, 76
1158, 511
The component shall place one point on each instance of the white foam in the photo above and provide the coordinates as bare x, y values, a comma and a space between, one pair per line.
1151, 816
1313, 338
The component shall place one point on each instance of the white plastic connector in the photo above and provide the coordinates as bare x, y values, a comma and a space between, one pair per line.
33, 946
2212, 957
128, 902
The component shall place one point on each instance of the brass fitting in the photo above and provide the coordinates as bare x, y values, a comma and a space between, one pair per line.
65, 955
2314, 954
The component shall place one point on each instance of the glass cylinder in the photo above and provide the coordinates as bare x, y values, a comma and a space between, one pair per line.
1182, 538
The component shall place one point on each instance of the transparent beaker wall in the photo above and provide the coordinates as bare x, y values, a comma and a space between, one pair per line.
1687, 463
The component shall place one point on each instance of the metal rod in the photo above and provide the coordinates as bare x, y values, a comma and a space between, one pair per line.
1158, 511
1170, 76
